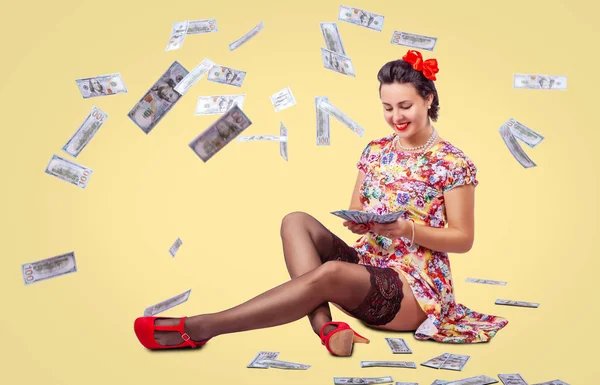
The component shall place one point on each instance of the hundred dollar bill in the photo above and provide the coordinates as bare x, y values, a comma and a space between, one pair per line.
524, 133
413, 40
283, 132
239, 42
540, 82
512, 379
85, 132
283, 99
159, 99
455, 362
220, 133
226, 75
178, 32
256, 361
361, 380
439, 382
101, 86
277, 364
333, 40
514, 148
69, 171
49, 268
262, 137
218, 104
555, 382
436, 362
343, 118
360, 17
323, 136
388, 364
516, 303
398, 345
175, 247
196, 74
477, 380
338, 63
202, 26
485, 281
167, 304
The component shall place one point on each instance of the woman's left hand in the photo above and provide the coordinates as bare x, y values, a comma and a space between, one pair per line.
392, 230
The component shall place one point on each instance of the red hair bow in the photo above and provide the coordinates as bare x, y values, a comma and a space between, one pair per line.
429, 67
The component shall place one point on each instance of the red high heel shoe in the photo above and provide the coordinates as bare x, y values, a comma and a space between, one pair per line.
144, 330
340, 340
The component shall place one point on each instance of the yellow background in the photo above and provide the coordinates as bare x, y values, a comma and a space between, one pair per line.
535, 228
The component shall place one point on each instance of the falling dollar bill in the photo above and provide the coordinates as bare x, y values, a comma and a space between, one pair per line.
512, 379
413, 40
219, 104
514, 147
283, 150
220, 133
69, 171
398, 345
540, 82
101, 86
332, 37
262, 137
277, 364
239, 42
555, 382
341, 117
323, 135
485, 281
256, 361
361, 380
49, 268
338, 63
436, 362
167, 304
477, 380
159, 99
85, 132
202, 26
192, 78
175, 247
226, 75
178, 33
388, 364
508, 302
360, 17
455, 362
524, 133
283, 99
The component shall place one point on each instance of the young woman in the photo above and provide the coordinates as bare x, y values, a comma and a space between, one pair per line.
396, 276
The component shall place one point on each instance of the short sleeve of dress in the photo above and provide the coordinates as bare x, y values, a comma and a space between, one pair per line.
363, 162
461, 171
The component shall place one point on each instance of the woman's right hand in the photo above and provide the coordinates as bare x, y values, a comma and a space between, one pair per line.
356, 228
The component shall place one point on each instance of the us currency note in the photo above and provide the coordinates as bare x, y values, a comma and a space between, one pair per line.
272, 363
436, 362
512, 379
256, 361
226, 75
202, 26
341, 117
540, 82
398, 345
323, 135
261, 137
388, 364
413, 40
101, 86
196, 74
167, 304
339, 63
239, 42
485, 281
516, 303
455, 362
283, 99
220, 133
477, 380
360, 17
178, 33
555, 382
86, 131
283, 132
332, 37
218, 104
514, 148
49, 268
175, 247
159, 99
439, 382
361, 380
524, 133
69, 171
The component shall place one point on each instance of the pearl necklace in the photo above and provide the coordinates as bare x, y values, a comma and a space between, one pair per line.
423, 147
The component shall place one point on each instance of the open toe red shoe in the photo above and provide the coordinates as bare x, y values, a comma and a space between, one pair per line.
340, 340
144, 330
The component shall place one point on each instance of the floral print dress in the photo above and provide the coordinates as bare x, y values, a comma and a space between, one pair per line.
415, 184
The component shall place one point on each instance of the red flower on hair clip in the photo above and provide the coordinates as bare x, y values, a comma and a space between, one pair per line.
429, 67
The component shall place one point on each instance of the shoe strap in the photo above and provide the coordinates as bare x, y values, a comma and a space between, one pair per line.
339, 326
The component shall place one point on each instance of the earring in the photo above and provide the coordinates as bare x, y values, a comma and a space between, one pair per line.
428, 107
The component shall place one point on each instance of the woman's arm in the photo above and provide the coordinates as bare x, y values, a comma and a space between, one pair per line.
355, 203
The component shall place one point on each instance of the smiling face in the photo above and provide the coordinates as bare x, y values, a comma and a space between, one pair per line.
404, 109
